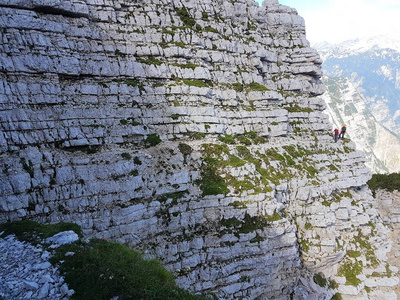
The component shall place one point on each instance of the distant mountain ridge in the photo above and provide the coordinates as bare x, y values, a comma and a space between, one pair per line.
363, 89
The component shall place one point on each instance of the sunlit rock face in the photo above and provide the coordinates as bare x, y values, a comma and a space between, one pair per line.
193, 131
362, 77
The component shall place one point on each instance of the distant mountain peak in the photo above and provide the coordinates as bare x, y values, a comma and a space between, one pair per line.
359, 45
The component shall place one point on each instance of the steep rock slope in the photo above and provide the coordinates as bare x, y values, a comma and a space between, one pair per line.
192, 130
389, 209
348, 105
362, 78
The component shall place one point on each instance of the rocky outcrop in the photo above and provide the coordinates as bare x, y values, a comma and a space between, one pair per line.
194, 131
26, 272
389, 209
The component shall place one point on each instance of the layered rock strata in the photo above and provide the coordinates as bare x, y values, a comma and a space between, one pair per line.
192, 130
389, 209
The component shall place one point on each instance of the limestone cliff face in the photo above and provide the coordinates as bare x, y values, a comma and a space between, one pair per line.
192, 130
389, 209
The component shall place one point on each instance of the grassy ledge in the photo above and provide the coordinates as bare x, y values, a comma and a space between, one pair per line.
99, 269
35, 233
103, 270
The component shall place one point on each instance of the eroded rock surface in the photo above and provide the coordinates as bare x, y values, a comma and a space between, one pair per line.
191, 130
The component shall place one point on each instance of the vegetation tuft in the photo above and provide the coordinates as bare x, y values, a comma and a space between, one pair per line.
320, 280
185, 17
255, 86
33, 232
100, 269
350, 271
388, 182
153, 139
104, 270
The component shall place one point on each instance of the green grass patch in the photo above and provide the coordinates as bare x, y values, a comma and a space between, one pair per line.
33, 232
196, 82
308, 226
132, 82
185, 17
210, 29
150, 61
238, 87
210, 182
153, 139
243, 140
337, 296
274, 217
350, 270
228, 139
255, 86
126, 156
320, 280
104, 270
185, 66
297, 108
353, 254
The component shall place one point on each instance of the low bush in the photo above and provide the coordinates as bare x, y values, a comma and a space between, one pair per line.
388, 182
103, 270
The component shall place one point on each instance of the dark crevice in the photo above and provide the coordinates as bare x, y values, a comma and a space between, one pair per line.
49, 10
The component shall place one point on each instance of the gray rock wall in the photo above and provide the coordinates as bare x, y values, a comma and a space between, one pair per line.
389, 209
191, 130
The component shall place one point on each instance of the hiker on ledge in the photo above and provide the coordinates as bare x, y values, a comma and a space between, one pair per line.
342, 132
336, 136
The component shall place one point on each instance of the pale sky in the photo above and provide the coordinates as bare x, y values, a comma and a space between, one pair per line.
335, 21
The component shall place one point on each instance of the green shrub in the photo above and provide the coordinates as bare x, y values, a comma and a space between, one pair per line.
337, 296
185, 17
137, 160
320, 280
308, 226
238, 87
210, 29
210, 182
274, 217
388, 182
134, 173
297, 108
126, 156
228, 139
150, 61
153, 139
255, 86
185, 149
243, 140
204, 16
104, 270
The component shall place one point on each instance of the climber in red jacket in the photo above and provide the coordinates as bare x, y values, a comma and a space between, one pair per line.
336, 136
